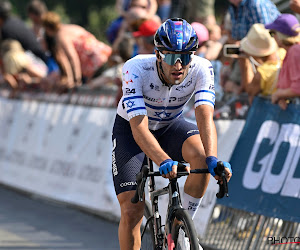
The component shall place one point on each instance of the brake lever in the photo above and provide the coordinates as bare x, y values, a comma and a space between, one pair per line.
223, 188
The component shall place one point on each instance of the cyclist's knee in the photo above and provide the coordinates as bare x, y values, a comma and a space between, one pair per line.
131, 213
195, 156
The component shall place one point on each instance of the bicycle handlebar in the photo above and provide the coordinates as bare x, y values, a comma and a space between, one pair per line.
142, 176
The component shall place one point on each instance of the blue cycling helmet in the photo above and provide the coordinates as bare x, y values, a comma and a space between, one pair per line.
176, 34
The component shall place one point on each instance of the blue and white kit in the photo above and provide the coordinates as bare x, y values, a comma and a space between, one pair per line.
145, 94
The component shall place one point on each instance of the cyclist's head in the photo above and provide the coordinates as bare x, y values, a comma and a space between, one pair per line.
176, 35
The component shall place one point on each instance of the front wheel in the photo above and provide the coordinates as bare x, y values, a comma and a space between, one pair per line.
147, 233
184, 234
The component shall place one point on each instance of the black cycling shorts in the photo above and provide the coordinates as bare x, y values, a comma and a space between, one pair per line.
127, 157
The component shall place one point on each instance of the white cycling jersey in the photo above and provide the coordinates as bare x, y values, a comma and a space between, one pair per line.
145, 94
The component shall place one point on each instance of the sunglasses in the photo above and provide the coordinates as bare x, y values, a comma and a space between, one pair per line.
171, 59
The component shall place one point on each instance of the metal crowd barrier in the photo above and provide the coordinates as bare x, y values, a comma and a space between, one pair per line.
233, 229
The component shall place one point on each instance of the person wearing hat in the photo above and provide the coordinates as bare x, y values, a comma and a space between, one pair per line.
286, 30
295, 6
266, 59
145, 36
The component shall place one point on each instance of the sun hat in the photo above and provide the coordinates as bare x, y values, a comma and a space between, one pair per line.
201, 31
258, 41
286, 24
147, 28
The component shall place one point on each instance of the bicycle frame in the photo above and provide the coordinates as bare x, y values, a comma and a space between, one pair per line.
173, 204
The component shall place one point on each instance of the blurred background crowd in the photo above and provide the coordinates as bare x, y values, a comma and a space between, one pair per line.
64, 46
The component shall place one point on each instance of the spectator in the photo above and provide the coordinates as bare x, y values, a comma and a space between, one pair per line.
14, 28
112, 77
35, 10
264, 52
286, 30
150, 6
145, 36
243, 14
204, 43
134, 18
130, 11
79, 53
164, 9
203, 37
295, 6
21, 69
202, 11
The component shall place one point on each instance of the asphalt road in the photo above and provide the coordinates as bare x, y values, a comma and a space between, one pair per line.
30, 224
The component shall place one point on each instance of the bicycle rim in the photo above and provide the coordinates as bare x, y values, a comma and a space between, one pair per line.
147, 233
184, 233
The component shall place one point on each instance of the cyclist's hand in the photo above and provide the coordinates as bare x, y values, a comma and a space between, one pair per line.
168, 168
212, 162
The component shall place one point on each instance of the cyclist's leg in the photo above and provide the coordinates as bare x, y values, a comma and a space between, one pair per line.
187, 146
130, 222
193, 153
127, 160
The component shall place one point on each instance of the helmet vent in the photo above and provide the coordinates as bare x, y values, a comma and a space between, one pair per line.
191, 41
166, 41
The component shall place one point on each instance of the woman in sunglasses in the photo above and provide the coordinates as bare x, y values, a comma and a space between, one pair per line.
149, 121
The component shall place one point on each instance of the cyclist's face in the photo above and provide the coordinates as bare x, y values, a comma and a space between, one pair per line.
174, 68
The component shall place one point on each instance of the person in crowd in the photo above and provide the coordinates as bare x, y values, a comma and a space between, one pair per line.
78, 52
134, 18
14, 28
164, 9
205, 41
145, 36
146, 124
266, 57
132, 14
203, 38
149, 5
295, 6
201, 11
35, 10
243, 14
22, 70
112, 77
286, 29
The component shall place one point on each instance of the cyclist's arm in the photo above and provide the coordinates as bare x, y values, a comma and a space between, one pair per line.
207, 129
208, 134
145, 139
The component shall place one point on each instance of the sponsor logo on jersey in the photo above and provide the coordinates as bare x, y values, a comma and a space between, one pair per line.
155, 87
150, 68
172, 99
126, 78
129, 183
181, 87
158, 100
114, 164
183, 98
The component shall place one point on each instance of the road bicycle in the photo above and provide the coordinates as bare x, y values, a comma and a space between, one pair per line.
179, 231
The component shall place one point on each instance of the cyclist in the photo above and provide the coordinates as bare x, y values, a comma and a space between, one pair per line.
149, 121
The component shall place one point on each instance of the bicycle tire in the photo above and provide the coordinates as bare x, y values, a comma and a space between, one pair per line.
147, 240
188, 239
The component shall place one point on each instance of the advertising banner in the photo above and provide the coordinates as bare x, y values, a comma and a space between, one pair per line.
265, 162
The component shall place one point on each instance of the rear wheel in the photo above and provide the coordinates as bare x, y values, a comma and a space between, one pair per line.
147, 234
183, 231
